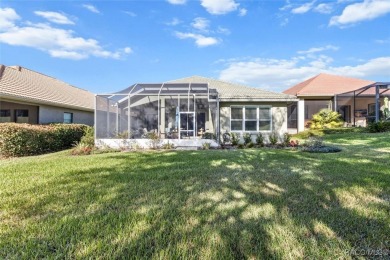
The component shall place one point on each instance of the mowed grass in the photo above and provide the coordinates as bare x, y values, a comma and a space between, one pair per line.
256, 203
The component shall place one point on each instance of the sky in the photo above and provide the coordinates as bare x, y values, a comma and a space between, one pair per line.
106, 46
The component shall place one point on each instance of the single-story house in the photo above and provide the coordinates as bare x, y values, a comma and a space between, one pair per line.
27, 96
185, 111
350, 97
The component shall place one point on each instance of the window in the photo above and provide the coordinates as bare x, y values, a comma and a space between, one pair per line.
236, 119
264, 119
5, 115
21, 116
251, 118
68, 118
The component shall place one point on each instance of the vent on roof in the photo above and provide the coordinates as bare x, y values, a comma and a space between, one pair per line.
18, 68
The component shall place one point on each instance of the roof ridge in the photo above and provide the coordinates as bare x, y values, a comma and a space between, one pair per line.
232, 83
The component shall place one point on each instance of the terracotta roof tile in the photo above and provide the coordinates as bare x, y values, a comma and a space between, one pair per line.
327, 85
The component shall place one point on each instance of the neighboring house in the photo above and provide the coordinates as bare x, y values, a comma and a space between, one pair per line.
27, 96
326, 91
185, 110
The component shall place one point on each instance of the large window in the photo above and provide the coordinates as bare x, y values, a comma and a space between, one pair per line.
21, 116
251, 118
68, 118
5, 115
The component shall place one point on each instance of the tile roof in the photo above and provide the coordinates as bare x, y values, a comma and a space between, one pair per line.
22, 84
236, 92
327, 85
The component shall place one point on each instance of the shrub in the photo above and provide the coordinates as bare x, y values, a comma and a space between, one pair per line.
249, 145
286, 139
206, 146
26, 139
247, 138
240, 146
260, 140
326, 118
89, 137
168, 145
154, 140
81, 149
273, 138
316, 145
235, 139
378, 127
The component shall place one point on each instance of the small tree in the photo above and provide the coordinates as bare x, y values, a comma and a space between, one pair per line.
326, 118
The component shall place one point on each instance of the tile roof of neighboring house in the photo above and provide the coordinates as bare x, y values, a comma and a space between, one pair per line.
327, 85
235, 92
21, 84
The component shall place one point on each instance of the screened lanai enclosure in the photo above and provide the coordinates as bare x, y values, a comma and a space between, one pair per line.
169, 110
365, 105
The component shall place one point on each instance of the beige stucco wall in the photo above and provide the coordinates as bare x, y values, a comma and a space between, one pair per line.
51, 114
278, 110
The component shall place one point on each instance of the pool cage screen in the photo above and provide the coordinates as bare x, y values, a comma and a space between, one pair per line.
170, 110
365, 105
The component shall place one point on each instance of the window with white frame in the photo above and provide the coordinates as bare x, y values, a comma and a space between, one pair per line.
250, 118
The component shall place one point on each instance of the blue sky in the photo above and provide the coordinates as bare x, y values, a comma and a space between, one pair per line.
105, 46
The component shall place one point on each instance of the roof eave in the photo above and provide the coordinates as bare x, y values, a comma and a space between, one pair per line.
42, 102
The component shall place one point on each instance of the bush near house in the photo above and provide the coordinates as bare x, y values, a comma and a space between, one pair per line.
25, 139
379, 127
326, 118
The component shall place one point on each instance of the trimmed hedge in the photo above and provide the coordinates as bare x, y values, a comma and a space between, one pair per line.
25, 139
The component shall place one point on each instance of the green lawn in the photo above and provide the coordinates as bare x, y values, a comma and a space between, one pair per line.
256, 203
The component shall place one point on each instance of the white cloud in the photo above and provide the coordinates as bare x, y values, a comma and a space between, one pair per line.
358, 12
303, 8
223, 30
200, 40
7, 18
219, 6
287, 6
284, 22
57, 42
127, 50
279, 74
54, 17
132, 14
200, 24
324, 8
383, 41
177, 2
175, 21
319, 49
242, 12
91, 8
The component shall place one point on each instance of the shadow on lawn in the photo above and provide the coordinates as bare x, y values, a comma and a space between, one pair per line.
212, 204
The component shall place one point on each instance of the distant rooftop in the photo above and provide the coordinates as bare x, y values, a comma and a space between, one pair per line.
234, 92
21, 84
327, 85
